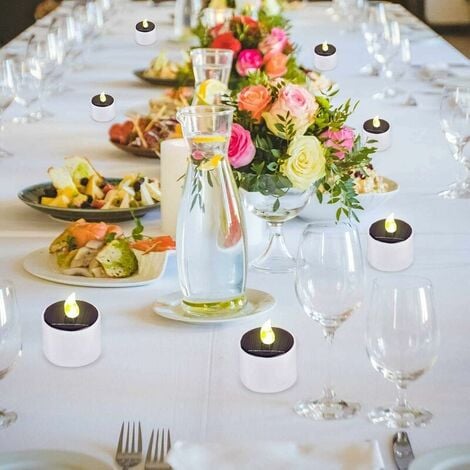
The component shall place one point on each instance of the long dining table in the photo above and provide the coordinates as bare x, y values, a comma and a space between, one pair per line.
186, 377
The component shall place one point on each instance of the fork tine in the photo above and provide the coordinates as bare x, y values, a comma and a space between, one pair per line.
127, 438
139, 440
121, 435
168, 441
148, 458
162, 449
133, 437
157, 441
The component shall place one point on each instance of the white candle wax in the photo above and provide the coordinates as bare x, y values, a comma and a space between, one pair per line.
325, 57
174, 157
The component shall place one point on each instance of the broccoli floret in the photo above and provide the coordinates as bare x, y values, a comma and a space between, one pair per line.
117, 259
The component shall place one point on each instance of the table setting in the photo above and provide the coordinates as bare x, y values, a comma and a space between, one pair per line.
194, 199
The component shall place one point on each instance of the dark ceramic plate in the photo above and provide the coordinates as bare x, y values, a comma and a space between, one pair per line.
171, 82
30, 196
137, 151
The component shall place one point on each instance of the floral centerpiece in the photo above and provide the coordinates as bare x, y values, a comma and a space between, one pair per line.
287, 143
261, 44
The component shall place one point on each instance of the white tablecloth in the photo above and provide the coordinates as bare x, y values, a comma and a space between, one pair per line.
185, 377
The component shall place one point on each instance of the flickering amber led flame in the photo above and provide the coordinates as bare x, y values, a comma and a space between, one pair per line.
390, 224
267, 334
71, 308
102, 97
324, 47
376, 121
145, 24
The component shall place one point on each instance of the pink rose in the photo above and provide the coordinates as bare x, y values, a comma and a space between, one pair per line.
275, 65
275, 42
298, 103
341, 141
241, 149
249, 60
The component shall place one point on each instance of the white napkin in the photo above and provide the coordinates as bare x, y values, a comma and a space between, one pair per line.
275, 456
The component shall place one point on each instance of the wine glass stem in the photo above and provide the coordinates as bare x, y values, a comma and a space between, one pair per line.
277, 244
401, 399
328, 391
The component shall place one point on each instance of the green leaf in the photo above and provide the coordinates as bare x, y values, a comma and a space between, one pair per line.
138, 229
109, 237
276, 205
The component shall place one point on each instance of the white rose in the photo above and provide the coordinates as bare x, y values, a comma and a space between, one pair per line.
306, 162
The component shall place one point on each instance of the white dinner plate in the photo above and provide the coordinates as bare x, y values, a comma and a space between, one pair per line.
258, 303
448, 458
49, 460
42, 264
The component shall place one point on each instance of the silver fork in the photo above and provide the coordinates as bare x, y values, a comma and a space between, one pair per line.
157, 462
129, 457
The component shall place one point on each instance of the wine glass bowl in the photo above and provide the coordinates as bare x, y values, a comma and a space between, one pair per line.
10, 339
402, 339
329, 286
455, 124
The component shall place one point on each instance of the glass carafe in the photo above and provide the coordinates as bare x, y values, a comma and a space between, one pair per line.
211, 249
211, 68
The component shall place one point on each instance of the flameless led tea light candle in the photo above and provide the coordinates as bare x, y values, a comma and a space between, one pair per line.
379, 130
145, 33
268, 359
390, 244
325, 57
102, 107
71, 333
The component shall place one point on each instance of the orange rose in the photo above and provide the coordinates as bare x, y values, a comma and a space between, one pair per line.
254, 99
275, 65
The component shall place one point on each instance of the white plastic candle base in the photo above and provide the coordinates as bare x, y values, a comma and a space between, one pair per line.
325, 63
146, 38
383, 140
102, 113
390, 256
268, 374
72, 348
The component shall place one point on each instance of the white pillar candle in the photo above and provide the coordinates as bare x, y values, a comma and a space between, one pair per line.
73, 341
325, 57
174, 157
390, 245
379, 130
102, 108
145, 33
268, 367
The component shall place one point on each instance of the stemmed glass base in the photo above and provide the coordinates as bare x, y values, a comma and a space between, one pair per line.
459, 190
7, 418
276, 258
327, 408
400, 416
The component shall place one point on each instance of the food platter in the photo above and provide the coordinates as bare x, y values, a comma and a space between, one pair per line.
31, 195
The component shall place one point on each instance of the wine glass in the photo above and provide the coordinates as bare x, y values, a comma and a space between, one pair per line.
43, 63
7, 94
402, 340
10, 339
387, 43
329, 285
455, 123
372, 26
395, 68
26, 89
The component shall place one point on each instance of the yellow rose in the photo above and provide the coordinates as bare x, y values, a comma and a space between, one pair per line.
306, 163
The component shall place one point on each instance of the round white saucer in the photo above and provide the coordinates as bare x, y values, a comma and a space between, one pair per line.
258, 303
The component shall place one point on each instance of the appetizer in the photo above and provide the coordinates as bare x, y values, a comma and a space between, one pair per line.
79, 185
101, 250
163, 68
171, 102
367, 180
146, 132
